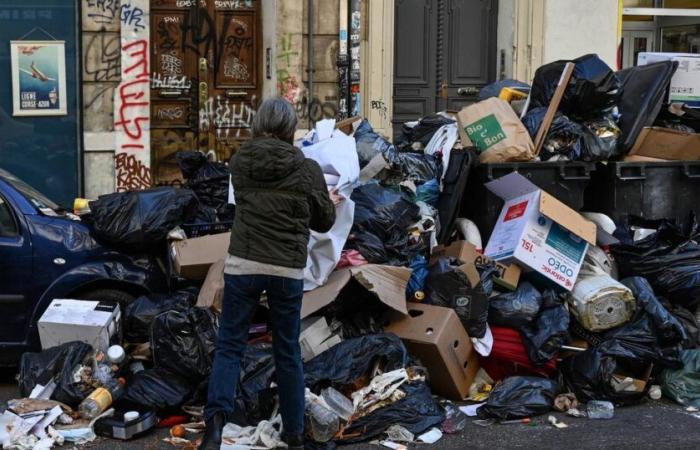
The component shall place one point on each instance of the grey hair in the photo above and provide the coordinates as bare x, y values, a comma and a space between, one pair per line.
275, 118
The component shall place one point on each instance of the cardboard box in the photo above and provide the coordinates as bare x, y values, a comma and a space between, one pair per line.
86, 321
388, 283
316, 337
538, 231
685, 84
437, 338
667, 144
192, 258
508, 275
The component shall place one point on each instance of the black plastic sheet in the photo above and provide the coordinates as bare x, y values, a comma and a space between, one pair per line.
417, 412
565, 137
183, 342
519, 397
58, 363
255, 398
157, 389
139, 314
344, 364
209, 180
140, 220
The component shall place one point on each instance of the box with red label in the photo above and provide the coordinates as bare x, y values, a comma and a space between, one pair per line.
538, 231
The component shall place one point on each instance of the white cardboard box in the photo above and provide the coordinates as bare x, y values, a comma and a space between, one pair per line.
538, 231
91, 322
685, 84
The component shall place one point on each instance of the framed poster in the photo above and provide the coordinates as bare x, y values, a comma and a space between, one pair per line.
38, 78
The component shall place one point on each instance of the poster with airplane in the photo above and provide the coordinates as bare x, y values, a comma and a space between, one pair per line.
38, 78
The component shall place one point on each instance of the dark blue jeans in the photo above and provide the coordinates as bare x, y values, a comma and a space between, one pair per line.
241, 297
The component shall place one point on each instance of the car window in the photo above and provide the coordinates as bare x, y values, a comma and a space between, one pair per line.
36, 198
8, 227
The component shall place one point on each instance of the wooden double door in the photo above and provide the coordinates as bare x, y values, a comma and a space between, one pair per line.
444, 53
206, 78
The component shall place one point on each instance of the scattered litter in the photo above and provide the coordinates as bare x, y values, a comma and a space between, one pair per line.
598, 409
565, 402
556, 423
399, 434
431, 436
470, 410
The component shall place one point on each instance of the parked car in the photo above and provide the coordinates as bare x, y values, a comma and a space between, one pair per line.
47, 253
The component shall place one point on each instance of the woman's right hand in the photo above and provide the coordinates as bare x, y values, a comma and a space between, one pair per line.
335, 197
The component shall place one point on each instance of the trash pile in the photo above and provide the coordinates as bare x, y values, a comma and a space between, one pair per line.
406, 311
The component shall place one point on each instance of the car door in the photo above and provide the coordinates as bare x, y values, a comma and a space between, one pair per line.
16, 291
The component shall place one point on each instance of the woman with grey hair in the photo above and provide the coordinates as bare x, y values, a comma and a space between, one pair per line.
280, 197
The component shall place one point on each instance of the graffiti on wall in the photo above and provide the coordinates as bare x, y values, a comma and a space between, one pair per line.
227, 116
132, 106
102, 57
288, 85
379, 106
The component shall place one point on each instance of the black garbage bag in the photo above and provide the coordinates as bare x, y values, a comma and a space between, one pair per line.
593, 90
669, 330
139, 220
255, 398
371, 144
515, 309
519, 397
417, 412
544, 337
385, 215
565, 137
416, 167
629, 350
183, 342
494, 89
669, 259
353, 359
58, 363
157, 389
689, 322
209, 181
139, 314
450, 287
423, 131
600, 136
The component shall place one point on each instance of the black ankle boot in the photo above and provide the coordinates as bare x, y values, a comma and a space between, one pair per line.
212, 433
293, 441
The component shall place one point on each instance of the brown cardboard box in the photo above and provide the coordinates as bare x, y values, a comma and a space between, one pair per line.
388, 283
668, 144
192, 258
437, 338
508, 275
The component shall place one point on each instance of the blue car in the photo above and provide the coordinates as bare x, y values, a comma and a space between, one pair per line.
47, 253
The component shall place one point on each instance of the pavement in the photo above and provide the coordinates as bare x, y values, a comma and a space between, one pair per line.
651, 425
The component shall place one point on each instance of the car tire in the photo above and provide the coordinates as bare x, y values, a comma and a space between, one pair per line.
108, 296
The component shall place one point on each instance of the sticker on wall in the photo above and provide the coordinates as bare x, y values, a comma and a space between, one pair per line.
38, 78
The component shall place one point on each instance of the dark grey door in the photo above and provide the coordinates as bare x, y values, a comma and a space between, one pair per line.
445, 51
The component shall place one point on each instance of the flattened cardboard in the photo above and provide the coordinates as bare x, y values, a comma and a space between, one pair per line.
508, 275
212, 293
667, 144
438, 339
192, 257
388, 283
553, 106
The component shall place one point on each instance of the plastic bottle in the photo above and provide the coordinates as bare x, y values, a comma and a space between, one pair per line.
324, 422
98, 402
418, 296
116, 354
340, 404
655, 392
598, 409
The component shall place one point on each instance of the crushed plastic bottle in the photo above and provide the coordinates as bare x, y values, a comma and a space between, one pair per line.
99, 400
598, 409
338, 403
324, 422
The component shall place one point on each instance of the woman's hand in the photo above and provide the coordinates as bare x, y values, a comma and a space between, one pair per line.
335, 197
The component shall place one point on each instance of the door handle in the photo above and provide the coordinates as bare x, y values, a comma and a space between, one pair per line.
468, 91
235, 94
203, 92
170, 94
